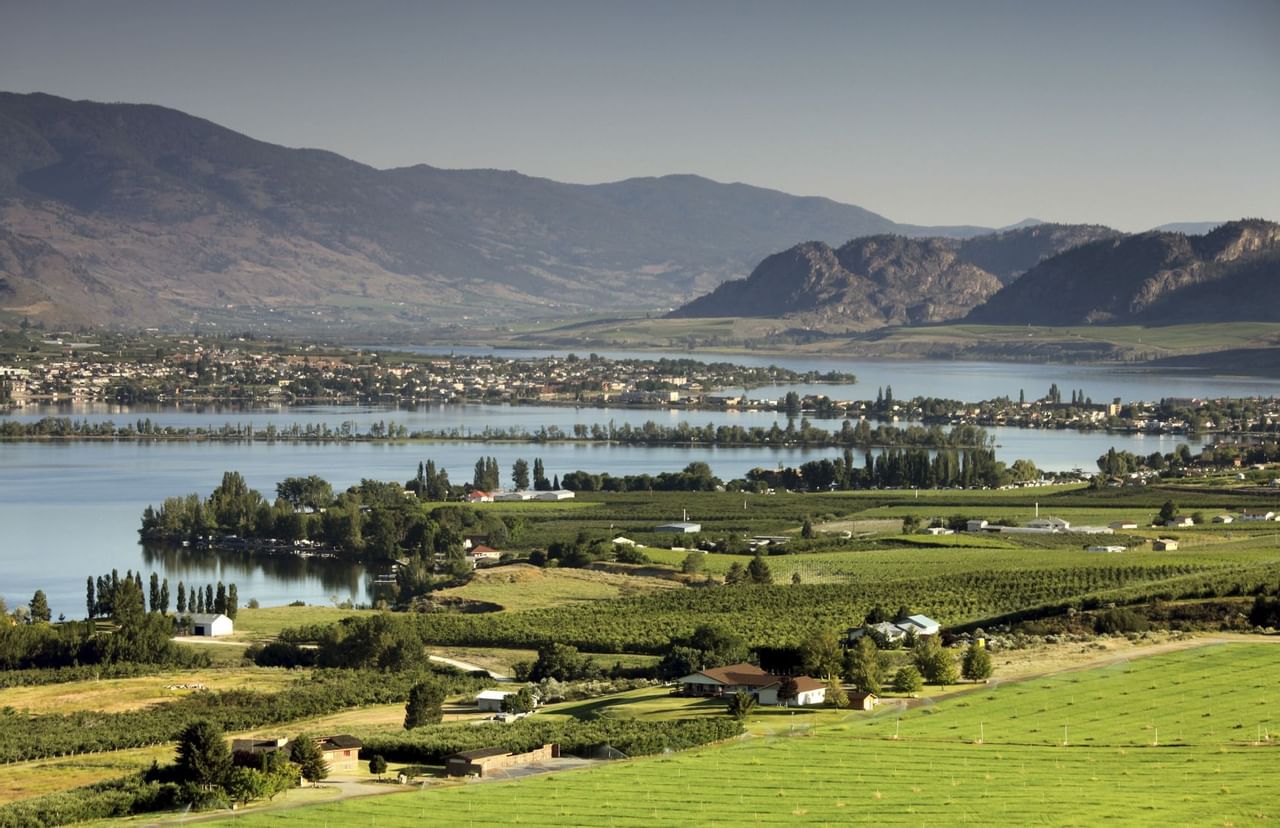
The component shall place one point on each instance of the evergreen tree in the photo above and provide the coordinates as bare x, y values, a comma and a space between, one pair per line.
426, 704
540, 482
220, 601
758, 571
154, 594
977, 663
39, 605
199, 601
305, 753
182, 598
208, 598
233, 602
90, 602
736, 574
164, 596
203, 756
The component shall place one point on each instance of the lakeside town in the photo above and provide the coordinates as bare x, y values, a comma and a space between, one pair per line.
187, 371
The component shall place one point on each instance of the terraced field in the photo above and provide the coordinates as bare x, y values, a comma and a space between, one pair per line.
1179, 739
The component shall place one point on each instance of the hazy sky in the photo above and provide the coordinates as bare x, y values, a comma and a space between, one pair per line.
1122, 112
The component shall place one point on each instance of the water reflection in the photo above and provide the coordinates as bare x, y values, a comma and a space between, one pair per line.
192, 565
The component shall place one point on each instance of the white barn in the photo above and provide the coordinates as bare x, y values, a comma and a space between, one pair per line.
491, 700
211, 624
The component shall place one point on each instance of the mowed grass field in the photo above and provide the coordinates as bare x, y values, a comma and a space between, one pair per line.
1178, 739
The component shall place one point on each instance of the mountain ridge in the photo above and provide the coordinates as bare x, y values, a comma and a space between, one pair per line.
880, 280
181, 219
1229, 274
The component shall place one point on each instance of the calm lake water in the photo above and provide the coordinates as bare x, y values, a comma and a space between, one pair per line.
69, 510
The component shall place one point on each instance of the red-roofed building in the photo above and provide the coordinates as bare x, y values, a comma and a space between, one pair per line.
718, 682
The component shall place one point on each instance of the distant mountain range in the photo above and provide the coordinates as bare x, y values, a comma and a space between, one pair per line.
137, 214
1230, 274
890, 280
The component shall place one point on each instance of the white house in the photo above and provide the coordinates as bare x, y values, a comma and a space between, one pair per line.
557, 494
491, 700
508, 497
1107, 548
975, 525
891, 632
1180, 521
809, 691
211, 624
479, 496
721, 682
1254, 515
1223, 519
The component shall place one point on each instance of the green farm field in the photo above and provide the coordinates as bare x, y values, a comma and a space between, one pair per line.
1185, 738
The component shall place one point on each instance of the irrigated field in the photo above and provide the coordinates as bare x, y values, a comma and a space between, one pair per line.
1075, 749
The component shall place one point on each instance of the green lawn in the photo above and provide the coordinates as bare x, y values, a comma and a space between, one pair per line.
1210, 706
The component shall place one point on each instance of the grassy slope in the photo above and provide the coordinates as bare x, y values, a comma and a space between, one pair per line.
1209, 705
120, 695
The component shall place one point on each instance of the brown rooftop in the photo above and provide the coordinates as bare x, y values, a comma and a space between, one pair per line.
748, 675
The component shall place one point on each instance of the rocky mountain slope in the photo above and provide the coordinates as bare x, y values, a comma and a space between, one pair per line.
888, 280
143, 215
1230, 274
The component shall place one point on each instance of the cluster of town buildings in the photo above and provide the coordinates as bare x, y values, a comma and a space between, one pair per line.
190, 370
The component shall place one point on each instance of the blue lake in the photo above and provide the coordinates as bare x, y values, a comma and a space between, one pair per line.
68, 510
